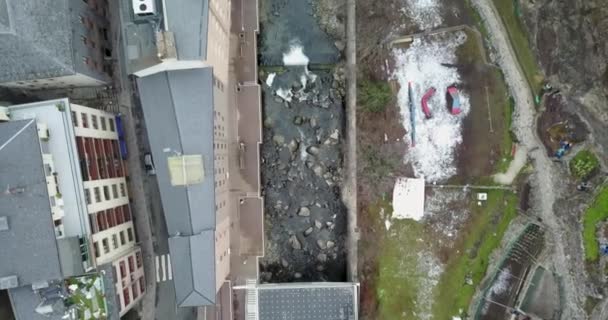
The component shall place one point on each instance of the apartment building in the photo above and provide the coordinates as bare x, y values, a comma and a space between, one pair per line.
86, 183
129, 280
183, 84
54, 43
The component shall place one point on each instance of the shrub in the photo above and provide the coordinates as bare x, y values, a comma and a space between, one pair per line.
374, 96
584, 164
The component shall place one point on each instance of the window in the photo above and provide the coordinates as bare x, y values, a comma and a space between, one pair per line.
103, 123
81, 18
131, 264
123, 191
138, 259
106, 246
123, 270
94, 121
142, 284
84, 40
87, 196
111, 124
74, 119
115, 191
96, 249
122, 238
86, 60
97, 194
130, 234
85, 123
125, 296
115, 241
134, 290
186, 169
106, 193
48, 170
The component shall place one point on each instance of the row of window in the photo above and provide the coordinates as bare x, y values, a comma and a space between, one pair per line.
220, 146
137, 288
106, 193
218, 115
110, 218
84, 117
105, 242
218, 83
220, 205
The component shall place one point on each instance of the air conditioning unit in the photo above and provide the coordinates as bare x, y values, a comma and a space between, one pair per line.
144, 7
43, 131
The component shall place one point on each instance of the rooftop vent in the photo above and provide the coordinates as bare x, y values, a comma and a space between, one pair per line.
8, 282
3, 223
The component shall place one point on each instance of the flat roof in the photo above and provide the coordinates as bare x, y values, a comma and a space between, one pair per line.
308, 301
188, 20
24, 301
28, 248
178, 110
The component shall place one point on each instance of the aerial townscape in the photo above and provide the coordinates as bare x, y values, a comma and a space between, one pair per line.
303, 159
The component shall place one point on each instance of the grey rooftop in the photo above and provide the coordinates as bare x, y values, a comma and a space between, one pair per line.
29, 248
178, 110
307, 301
28, 50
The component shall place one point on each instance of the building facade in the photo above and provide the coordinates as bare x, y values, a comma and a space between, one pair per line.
76, 53
87, 186
129, 280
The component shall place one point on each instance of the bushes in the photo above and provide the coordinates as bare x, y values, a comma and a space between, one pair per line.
374, 96
584, 164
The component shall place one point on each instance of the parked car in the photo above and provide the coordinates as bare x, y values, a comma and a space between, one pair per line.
149, 164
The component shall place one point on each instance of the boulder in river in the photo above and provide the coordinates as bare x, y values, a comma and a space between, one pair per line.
304, 212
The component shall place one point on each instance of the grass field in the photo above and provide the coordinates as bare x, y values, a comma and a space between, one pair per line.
487, 229
597, 213
519, 40
400, 281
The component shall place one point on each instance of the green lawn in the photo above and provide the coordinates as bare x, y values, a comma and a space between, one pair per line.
399, 279
597, 213
484, 235
519, 40
584, 164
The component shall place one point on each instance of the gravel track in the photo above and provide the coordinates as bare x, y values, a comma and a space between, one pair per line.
545, 182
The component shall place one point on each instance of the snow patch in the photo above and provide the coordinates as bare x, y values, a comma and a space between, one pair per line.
295, 56
502, 282
425, 14
425, 64
432, 269
270, 79
285, 94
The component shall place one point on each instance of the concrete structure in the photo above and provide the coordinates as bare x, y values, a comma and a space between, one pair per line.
54, 43
85, 181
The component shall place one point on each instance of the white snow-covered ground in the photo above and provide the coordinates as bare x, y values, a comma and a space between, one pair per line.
294, 57
431, 269
426, 14
436, 139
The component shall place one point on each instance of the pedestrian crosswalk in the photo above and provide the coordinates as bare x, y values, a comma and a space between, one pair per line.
163, 268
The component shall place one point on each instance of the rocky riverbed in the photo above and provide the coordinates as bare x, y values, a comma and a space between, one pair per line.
302, 171
302, 160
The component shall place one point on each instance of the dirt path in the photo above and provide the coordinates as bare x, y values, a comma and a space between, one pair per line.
545, 182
